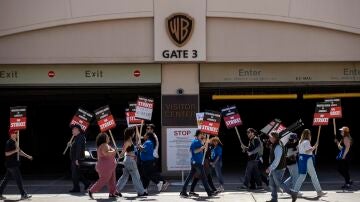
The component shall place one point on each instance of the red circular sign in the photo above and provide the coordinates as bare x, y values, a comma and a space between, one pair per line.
137, 73
51, 74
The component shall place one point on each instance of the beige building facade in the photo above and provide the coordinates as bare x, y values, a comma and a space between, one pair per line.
179, 45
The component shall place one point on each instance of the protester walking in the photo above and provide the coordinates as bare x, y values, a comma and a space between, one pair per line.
291, 160
252, 168
197, 154
130, 165
77, 153
208, 173
105, 167
343, 158
306, 165
148, 169
216, 160
277, 166
12, 165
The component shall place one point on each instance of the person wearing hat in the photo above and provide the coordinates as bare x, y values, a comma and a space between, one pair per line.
306, 165
197, 153
13, 165
343, 158
277, 166
253, 150
216, 160
77, 153
291, 159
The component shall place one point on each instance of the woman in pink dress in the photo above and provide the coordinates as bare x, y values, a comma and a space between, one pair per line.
105, 167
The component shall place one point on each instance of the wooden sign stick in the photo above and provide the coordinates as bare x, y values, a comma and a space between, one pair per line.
242, 144
67, 145
206, 148
334, 124
18, 145
317, 140
115, 146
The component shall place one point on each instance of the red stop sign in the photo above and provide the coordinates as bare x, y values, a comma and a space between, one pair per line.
137, 73
51, 74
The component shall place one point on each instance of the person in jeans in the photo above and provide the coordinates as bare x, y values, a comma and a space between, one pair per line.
130, 165
343, 157
148, 165
306, 165
197, 154
277, 166
13, 165
291, 160
208, 173
77, 153
216, 160
252, 168
105, 167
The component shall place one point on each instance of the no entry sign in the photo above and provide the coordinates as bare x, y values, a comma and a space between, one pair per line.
211, 122
322, 114
104, 118
144, 108
231, 117
17, 118
335, 108
82, 118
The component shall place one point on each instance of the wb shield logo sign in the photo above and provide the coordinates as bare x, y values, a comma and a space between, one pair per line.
179, 27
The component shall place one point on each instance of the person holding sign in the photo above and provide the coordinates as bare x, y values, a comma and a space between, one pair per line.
130, 165
12, 165
77, 149
306, 165
105, 167
197, 154
252, 168
277, 166
149, 172
291, 160
343, 157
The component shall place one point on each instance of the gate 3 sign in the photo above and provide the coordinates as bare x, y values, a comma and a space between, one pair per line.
17, 118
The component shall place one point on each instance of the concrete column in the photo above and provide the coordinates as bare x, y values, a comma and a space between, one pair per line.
175, 77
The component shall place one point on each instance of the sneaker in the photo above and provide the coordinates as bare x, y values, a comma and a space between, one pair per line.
143, 194
117, 194
193, 194
165, 186
2, 197
215, 192
210, 194
25, 196
184, 194
321, 193
160, 185
220, 188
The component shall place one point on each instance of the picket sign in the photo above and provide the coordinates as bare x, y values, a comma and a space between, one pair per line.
81, 118
18, 122
335, 111
106, 122
232, 120
321, 118
210, 126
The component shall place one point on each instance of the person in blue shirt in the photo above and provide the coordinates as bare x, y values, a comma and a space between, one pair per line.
197, 153
216, 160
148, 165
